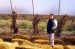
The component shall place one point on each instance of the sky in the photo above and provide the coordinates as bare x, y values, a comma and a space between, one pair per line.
40, 6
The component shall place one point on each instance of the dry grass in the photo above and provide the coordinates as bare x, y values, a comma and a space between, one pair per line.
23, 42
1, 40
58, 47
26, 42
6, 36
7, 45
69, 40
41, 41
69, 47
34, 37
46, 46
34, 46
59, 41
29, 45
26, 37
20, 41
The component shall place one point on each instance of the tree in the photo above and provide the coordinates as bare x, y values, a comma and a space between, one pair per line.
61, 23
35, 22
14, 25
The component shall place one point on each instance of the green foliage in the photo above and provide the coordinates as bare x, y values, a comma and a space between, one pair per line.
25, 24
22, 25
67, 24
43, 25
71, 27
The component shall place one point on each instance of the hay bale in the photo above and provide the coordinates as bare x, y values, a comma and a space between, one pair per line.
69, 47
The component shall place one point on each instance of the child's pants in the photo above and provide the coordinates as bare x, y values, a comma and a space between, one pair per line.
51, 39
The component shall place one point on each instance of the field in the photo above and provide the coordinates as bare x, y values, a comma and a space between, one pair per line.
5, 26
19, 41
25, 40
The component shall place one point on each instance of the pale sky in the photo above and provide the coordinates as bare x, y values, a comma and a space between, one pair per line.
41, 6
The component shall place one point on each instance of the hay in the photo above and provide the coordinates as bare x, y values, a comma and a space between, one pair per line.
59, 41
26, 37
69, 47
4, 46
7, 45
69, 40
46, 46
1, 40
39, 37
26, 42
6, 36
41, 41
58, 47
43, 46
20, 41
15, 44
27, 47
38, 45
